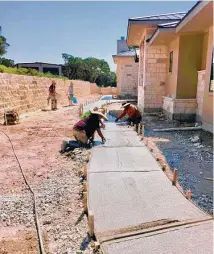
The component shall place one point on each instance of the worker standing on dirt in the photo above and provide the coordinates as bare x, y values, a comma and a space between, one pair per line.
70, 94
52, 96
133, 113
84, 130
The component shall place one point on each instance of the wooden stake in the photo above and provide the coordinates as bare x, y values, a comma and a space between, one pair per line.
175, 177
85, 201
85, 170
85, 186
91, 223
188, 194
164, 167
142, 135
138, 129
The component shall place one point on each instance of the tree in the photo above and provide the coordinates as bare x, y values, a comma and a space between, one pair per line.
6, 62
90, 69
3, 44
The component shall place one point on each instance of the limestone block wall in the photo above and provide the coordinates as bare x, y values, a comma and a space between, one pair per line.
156, 60
141, 75
180, 109
129, 79
108, 90
200, 93
95, 88
29, 93
152, 77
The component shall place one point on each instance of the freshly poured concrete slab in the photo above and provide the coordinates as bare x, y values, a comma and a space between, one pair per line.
119, 139
121, 159
197, 239
121, 126
121, 200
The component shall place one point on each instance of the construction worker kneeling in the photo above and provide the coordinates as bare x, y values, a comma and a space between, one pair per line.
84, 130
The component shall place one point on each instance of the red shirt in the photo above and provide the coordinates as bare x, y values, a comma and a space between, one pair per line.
131, 111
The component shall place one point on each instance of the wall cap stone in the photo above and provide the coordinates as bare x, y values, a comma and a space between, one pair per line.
202, 71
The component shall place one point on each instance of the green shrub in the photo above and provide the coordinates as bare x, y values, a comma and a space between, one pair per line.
28, 72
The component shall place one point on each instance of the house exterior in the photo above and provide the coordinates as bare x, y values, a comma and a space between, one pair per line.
55, 69
175, 63
127, 70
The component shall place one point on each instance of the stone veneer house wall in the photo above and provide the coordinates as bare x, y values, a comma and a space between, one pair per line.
175, 63
127, 70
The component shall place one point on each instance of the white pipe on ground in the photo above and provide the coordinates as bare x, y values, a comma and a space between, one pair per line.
179, 129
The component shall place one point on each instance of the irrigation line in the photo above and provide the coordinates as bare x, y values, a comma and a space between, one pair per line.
41, 245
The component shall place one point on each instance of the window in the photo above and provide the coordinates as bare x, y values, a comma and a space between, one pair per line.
211, 78
170, 61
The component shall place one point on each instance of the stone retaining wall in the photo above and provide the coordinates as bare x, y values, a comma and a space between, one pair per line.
108, 91
29, 93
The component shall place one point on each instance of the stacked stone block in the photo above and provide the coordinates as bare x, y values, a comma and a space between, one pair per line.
27, 93
156, 61
180, 109
128, 80
200, 93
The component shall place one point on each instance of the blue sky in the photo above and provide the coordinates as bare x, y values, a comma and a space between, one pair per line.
42, 31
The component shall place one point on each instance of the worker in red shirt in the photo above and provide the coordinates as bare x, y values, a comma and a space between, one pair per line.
52, 96
133, 113
84, 130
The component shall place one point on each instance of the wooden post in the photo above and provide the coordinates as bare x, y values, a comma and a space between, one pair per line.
85, 170
158, 157
85, 201
175, 177
138, 129
188, 194
85, 186
142, 135
164, 166
91, 224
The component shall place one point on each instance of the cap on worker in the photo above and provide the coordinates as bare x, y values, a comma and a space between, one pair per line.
126, 105
100, 114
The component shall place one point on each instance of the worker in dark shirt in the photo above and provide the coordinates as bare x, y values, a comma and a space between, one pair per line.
84, 130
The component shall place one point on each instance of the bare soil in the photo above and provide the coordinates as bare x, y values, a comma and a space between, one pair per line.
55, 178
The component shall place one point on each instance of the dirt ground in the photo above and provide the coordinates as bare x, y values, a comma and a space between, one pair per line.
191, 152
55, 178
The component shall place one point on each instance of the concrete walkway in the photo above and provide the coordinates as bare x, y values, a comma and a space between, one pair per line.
136, 209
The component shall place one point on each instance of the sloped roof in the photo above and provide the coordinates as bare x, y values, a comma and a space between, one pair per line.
41, 63
168, 16
168, 25
125, 53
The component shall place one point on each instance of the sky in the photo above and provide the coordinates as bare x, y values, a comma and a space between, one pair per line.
42, 31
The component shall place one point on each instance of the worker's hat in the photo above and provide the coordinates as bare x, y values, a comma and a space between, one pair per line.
100, 114
126, 105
